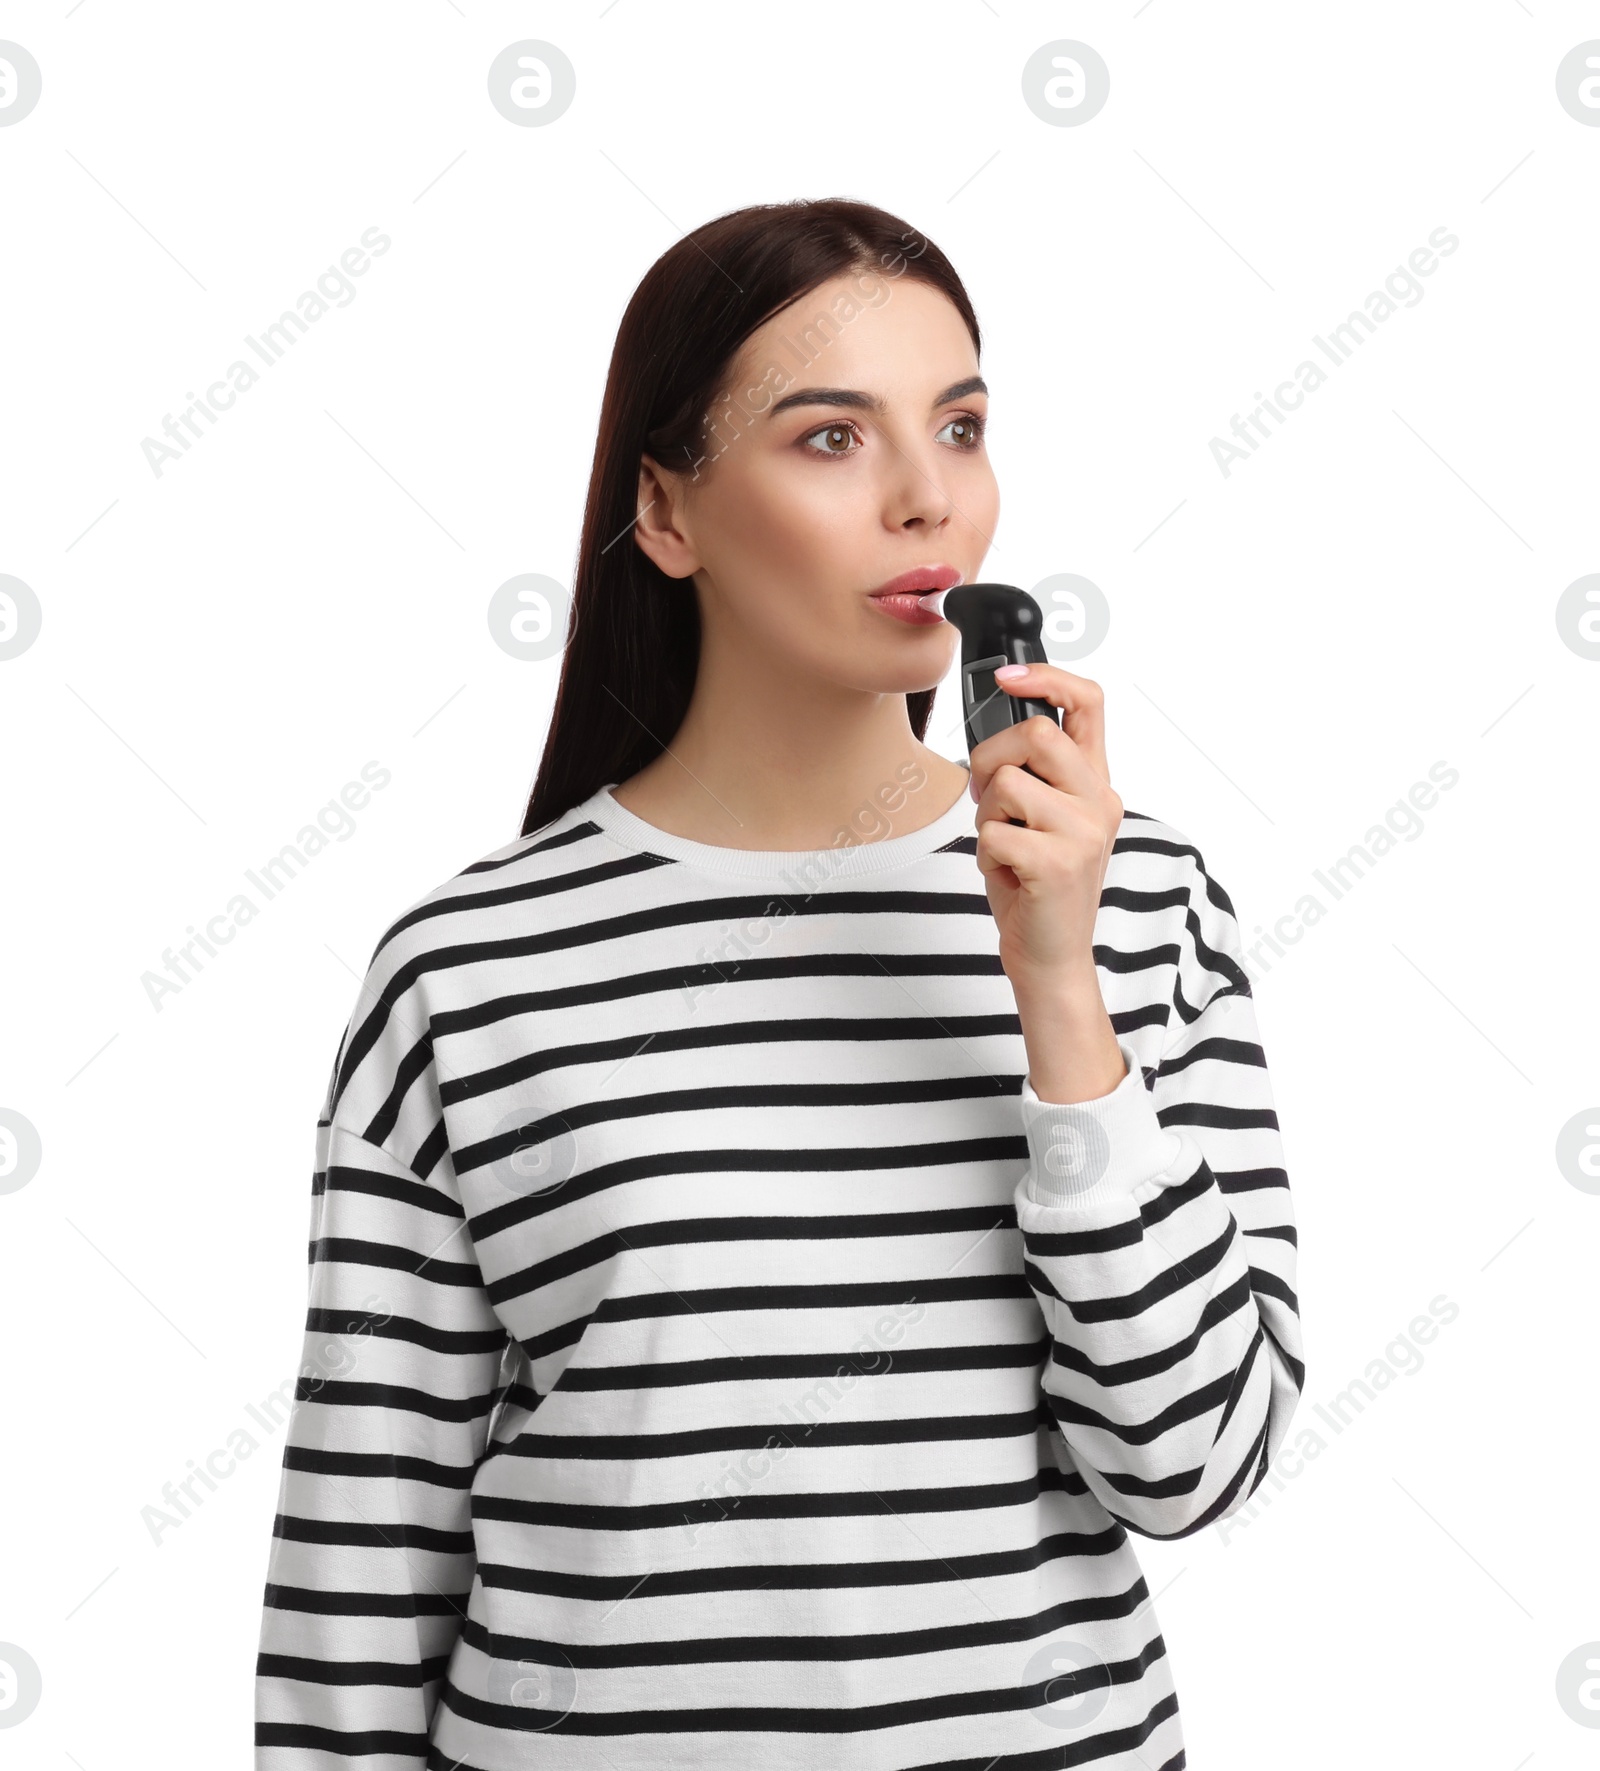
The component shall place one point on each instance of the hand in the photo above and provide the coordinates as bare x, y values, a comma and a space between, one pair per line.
1043, 877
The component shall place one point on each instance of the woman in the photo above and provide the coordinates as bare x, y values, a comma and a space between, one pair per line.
759, 1279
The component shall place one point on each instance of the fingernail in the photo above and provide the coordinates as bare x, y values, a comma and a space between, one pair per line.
1008, 672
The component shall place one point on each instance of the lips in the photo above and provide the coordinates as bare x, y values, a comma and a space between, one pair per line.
918, 580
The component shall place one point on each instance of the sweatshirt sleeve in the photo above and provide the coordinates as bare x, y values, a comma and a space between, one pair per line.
1159, 1239
371, 1559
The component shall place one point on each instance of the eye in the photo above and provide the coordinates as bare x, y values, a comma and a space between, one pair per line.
971, 427
835, 434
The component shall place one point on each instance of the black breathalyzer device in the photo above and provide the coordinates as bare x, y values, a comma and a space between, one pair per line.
999, 624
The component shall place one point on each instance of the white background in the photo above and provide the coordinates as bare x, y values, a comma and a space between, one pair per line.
1292, 646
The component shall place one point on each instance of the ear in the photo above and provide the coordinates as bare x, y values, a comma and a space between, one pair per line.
660, 527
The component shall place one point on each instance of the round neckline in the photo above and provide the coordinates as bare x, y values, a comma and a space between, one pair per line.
848, 861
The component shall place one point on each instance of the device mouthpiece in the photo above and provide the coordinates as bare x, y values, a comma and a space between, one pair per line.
932, 601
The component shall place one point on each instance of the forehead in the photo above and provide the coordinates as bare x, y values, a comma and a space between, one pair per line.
890, 335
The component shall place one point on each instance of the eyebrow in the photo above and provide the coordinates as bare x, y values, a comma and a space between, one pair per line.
852, 397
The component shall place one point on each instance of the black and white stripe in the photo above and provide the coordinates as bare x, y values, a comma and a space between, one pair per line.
716, 1354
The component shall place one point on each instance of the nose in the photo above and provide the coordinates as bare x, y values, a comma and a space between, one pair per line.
917, 498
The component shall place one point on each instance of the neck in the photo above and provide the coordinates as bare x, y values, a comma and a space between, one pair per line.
768, 757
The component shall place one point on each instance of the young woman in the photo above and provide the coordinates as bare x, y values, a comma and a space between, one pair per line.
779, 1226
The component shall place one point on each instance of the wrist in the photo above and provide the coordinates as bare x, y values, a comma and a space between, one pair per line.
1070, 995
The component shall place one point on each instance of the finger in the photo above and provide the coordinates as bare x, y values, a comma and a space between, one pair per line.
1014, 858
1012, 792
1044, 747
1082, 704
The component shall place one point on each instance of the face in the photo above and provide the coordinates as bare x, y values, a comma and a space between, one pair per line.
823, 482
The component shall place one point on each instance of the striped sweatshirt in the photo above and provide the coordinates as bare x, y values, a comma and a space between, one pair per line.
718, 1355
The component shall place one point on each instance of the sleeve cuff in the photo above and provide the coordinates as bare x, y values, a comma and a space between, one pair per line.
1084, 1152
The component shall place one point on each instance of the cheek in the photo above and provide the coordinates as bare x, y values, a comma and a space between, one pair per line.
980, 497
793, 524
789, 550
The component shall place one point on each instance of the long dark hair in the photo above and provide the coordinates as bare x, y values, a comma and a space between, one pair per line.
633, 634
